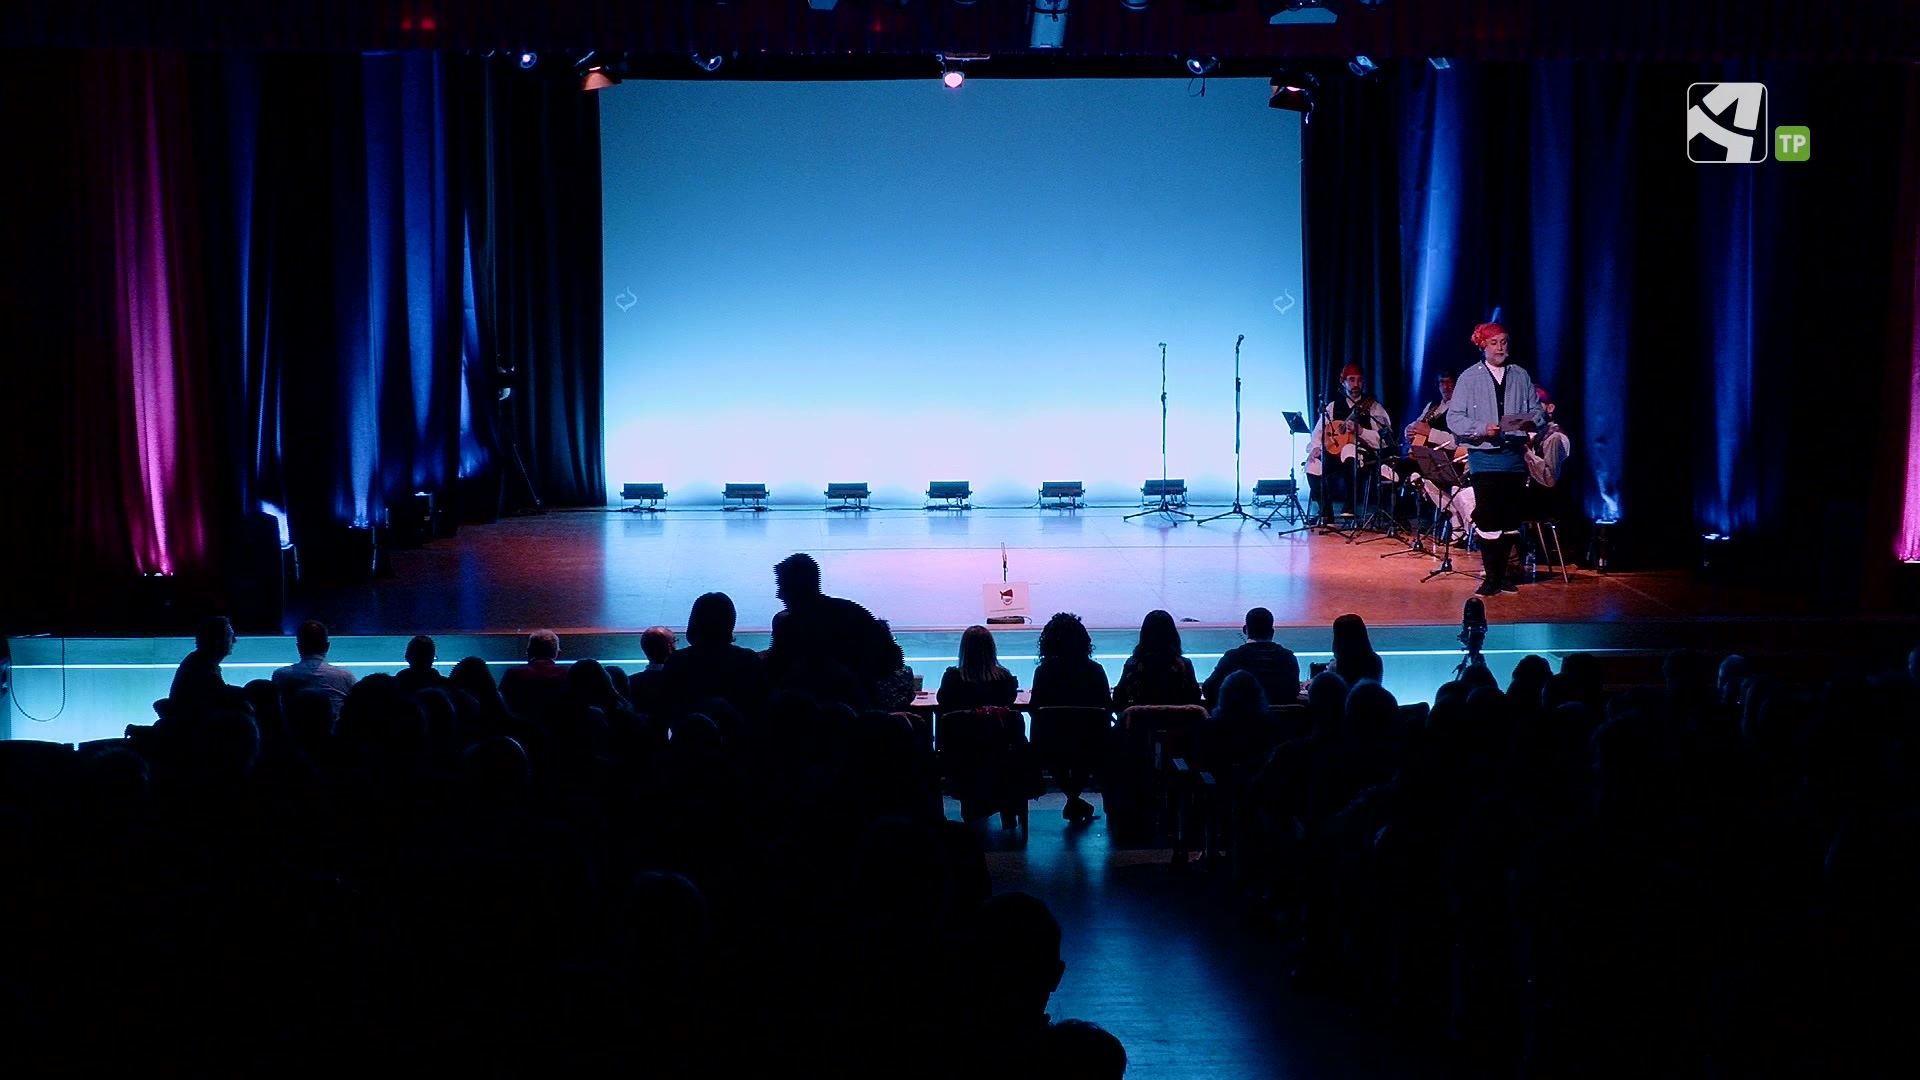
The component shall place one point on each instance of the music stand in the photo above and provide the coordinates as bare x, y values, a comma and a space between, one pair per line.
1296, 514
1438, 467
1429, 465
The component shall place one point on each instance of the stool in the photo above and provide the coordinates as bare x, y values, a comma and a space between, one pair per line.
1543, 528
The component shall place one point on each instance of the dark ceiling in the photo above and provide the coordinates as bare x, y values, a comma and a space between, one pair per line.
880, 38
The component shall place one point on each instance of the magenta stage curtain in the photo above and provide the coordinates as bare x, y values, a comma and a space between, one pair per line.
111, 444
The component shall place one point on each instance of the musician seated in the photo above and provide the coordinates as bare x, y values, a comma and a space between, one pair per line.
1547, 452
1548, 448
1430, 427
1445, 489
1347, 436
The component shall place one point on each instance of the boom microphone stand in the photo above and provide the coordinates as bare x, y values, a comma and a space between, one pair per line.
1163, 506
1236, 510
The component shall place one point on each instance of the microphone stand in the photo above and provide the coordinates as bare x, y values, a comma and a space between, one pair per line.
1163, 506
1236, 510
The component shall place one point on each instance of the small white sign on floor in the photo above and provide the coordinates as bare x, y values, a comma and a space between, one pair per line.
1005, 599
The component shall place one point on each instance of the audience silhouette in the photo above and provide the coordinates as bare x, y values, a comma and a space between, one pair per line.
1709, 876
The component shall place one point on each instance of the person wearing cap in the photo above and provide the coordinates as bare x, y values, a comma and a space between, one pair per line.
1328, 477
1493, 409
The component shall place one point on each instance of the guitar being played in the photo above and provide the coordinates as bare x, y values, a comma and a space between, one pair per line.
1349, 431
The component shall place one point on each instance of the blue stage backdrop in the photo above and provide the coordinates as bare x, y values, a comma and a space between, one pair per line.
895, 282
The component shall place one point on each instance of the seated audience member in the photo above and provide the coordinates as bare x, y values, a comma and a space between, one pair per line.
895, 691
712, 666
1014, 966
535, 687
420, 674
1732, 680
313, 669
1272, 663
1528, 683
1067, 674
590, 685
1237, 734
197, 682
1080, 1050
978, 680
1353, 655
1158, 672
1069, 677
643, 686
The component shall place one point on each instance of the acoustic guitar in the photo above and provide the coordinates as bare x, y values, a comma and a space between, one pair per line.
1339, 435
1424, 435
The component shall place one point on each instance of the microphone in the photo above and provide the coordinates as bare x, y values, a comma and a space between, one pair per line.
1237, 341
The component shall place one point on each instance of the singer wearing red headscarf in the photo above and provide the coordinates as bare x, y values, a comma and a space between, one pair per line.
1494, 406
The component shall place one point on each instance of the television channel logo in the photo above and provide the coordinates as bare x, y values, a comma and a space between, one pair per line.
1727, 123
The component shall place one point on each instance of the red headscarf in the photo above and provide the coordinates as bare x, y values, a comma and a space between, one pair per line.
1486, 332
1351, 369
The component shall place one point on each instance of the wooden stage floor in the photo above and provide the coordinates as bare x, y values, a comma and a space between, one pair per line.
608, 571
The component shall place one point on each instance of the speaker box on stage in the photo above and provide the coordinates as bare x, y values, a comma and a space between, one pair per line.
256, 576
344, 553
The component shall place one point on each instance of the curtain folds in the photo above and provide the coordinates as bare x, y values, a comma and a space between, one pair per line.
1688, 318
299, 286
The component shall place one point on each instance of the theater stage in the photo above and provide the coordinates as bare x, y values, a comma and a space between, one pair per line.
599, 577
601, 570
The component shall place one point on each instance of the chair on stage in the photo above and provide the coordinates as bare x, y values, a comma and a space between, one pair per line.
1545, 530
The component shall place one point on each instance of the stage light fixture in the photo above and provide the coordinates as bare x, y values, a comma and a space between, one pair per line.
949, 495
1440, 63
1362, 66
1062, 494
823, 5
598, 72
1200, 65
1134, 5
1169, 492
848, 496
1298, 12
1049, 19
1293, 90
648, 496
528, 59
708, 62
952, 74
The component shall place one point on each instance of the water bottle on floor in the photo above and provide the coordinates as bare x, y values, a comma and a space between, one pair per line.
1532, 569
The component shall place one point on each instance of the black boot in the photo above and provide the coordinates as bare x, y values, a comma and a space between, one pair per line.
1493, 555
1509, 579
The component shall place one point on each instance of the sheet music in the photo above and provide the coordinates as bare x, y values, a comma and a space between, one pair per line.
1516, 424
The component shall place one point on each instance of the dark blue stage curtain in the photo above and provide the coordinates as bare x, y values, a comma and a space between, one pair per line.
409, 235
1694, 322
291, 285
